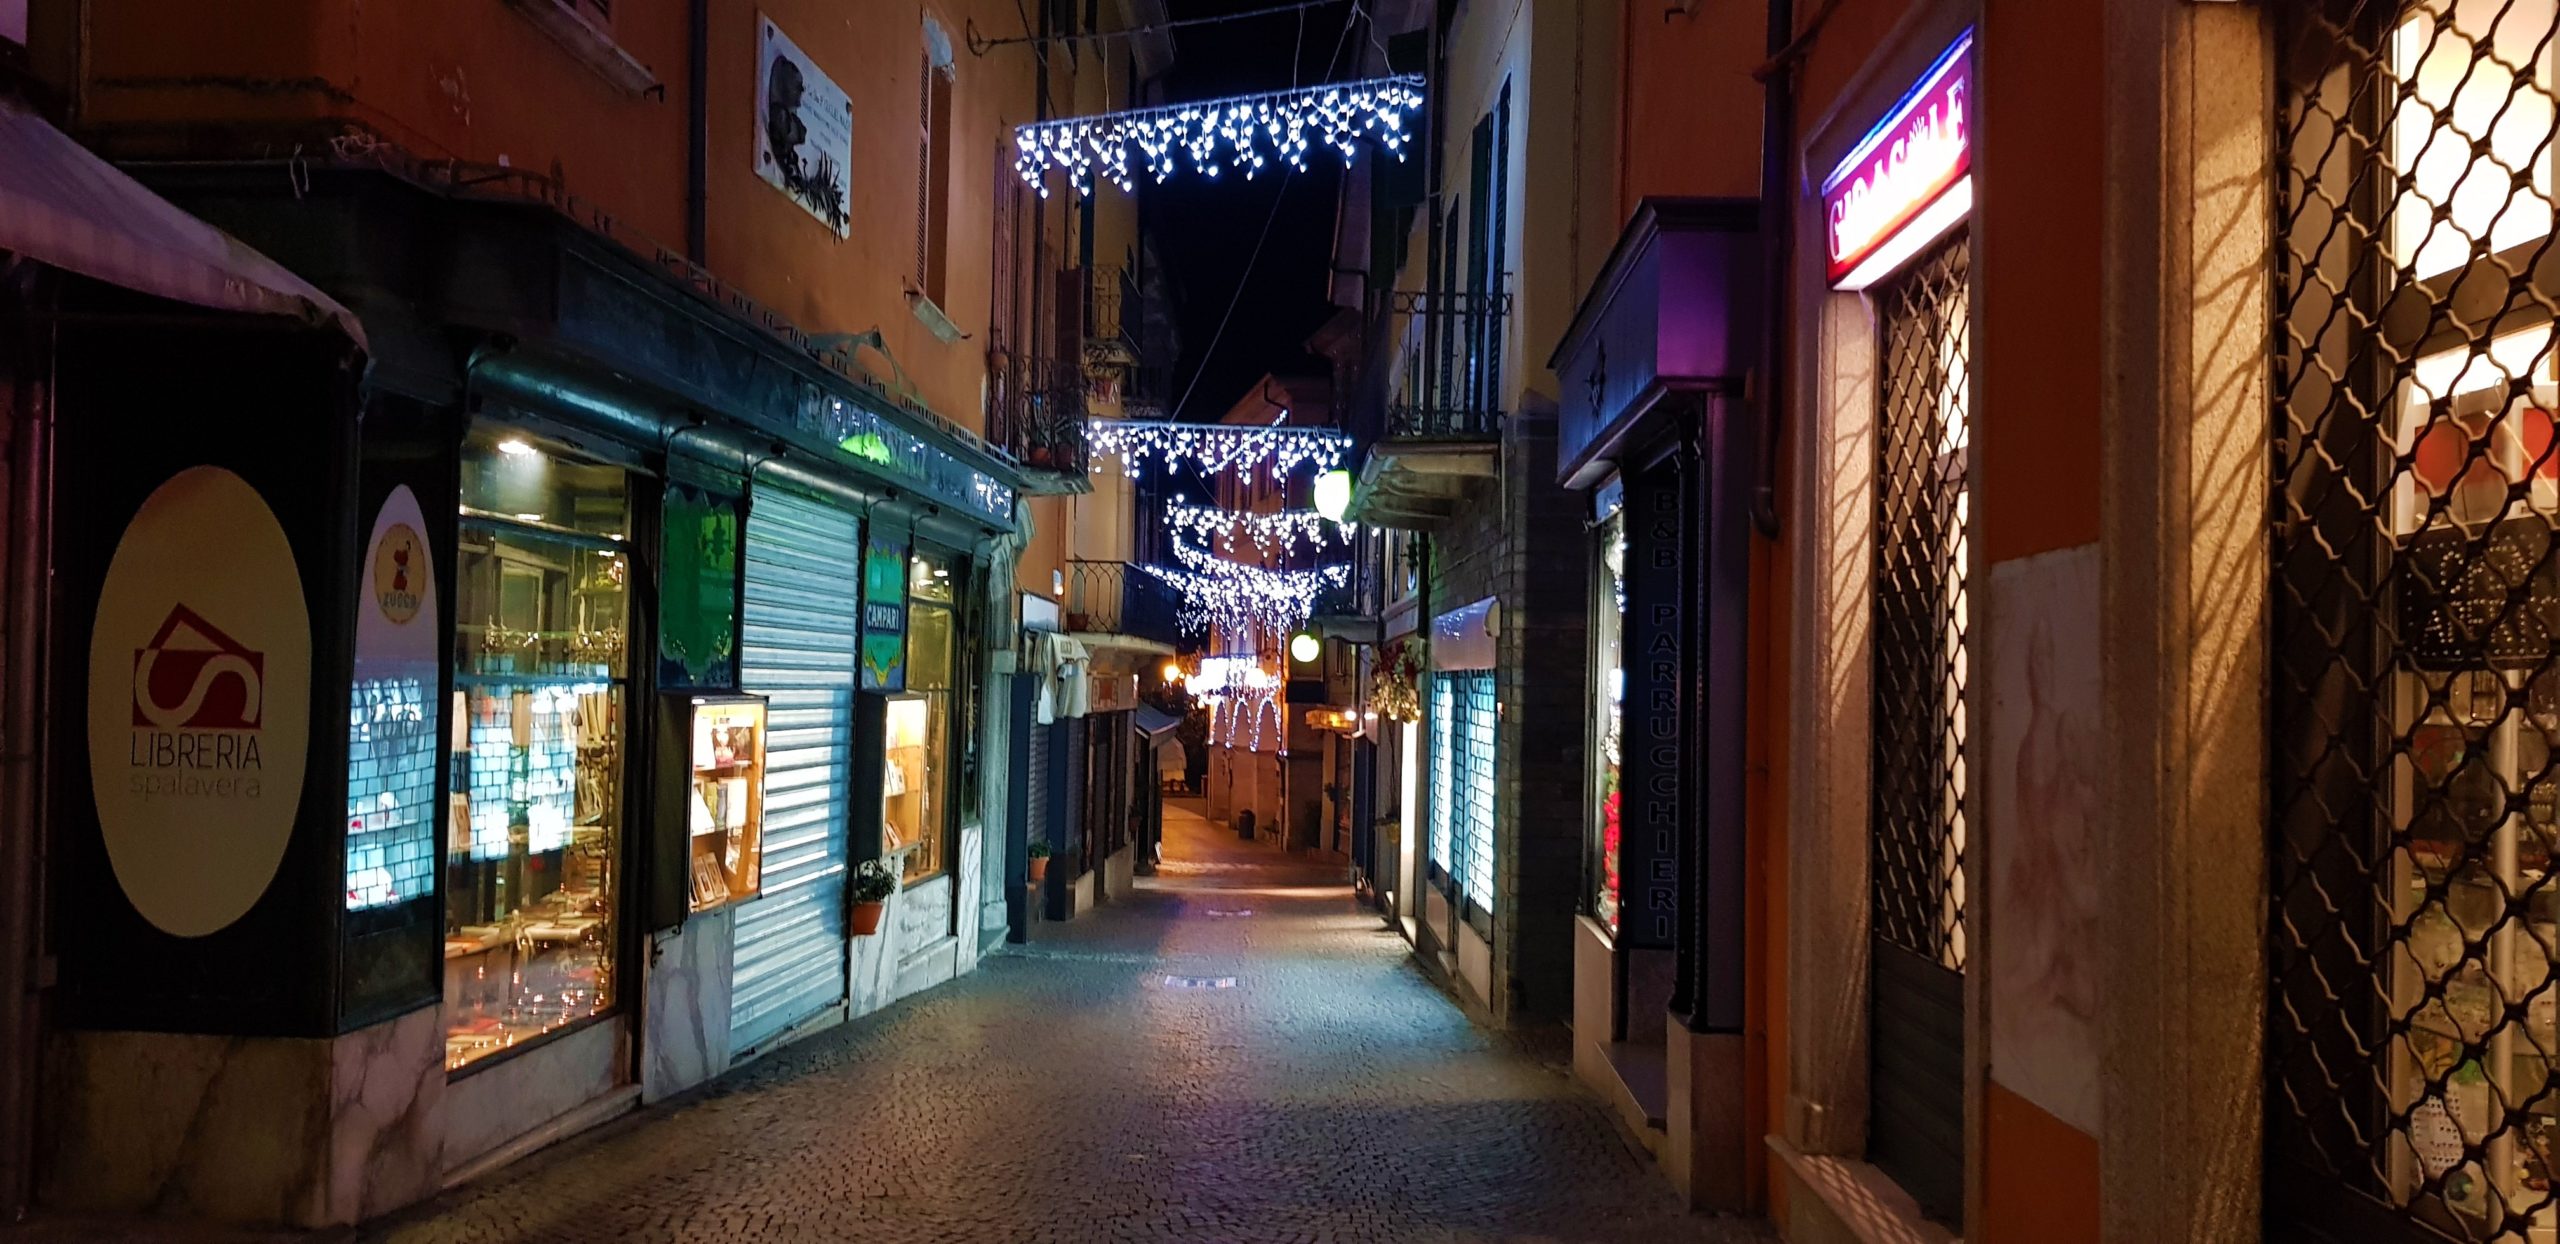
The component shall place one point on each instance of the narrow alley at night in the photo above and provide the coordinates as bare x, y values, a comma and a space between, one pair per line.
1238, 1053
1564, 621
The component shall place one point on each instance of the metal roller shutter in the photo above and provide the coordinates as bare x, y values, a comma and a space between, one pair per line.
1035, 785
803, 610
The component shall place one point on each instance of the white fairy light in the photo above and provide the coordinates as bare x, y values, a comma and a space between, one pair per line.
1215, 448
1240, 599
1279, 531
1288, 123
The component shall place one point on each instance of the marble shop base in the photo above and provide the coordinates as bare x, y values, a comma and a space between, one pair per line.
253, 1131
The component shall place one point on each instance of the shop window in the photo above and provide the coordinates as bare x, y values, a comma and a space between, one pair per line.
1609, 675
918, 780
533, 856
2470, 135
1462, 725
2416, 592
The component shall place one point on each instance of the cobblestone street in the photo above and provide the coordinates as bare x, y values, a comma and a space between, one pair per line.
1099, 1084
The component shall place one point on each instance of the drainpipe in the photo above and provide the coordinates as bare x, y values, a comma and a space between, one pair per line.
1777, 132
697, 107
30, 477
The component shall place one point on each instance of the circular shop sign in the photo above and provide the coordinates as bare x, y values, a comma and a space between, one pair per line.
199, 702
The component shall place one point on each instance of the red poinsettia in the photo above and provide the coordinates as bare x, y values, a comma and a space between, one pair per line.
1609, 853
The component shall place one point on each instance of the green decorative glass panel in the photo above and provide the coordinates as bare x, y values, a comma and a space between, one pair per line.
698, 599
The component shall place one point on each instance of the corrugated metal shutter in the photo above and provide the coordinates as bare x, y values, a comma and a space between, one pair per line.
803, 608
1035, 785
1077, 855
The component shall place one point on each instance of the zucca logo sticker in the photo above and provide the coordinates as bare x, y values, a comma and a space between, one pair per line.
199, 702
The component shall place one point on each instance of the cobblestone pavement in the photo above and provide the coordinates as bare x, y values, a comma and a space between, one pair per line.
1099, 1085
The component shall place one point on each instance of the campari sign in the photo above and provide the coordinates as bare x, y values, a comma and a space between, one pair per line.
1908, 181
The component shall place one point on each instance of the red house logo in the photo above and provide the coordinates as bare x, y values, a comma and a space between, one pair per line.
194, 677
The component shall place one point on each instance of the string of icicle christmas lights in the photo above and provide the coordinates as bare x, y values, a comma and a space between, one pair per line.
1241, 599
1242, 132
1215, 448
1268, 531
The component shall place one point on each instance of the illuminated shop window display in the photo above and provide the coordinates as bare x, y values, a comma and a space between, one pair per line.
2415, 910
534, 830
726, 815
1608, 631
916, 782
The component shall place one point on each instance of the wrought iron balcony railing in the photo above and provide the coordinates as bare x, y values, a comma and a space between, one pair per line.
1115, 598
1450, 385
1119, 311
1036, 411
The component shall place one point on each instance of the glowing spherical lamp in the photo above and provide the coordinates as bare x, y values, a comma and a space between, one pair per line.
1333, 494
1304, 647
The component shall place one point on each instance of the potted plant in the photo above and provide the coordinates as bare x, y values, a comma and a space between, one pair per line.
873, 883
1039, 862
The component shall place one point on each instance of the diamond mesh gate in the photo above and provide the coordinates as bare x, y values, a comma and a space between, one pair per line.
1916, 818
2414, 701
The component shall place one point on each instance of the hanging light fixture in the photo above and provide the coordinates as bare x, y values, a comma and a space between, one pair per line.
1242, 132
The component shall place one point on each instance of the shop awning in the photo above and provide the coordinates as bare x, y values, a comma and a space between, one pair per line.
1152, 721
63, 206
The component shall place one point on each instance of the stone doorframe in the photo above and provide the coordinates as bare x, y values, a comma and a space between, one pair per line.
2183, 586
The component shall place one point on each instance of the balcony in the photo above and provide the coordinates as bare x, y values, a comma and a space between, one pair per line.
1124, 352
1119, 601
1444, 406
1450, 386
1036, 412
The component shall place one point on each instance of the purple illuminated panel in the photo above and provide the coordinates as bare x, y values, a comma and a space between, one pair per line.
1677, 308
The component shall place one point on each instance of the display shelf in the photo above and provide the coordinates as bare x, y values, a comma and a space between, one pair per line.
724, 804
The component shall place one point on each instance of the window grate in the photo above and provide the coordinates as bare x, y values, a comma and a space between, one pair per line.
2414, 702
1462, 736
1917, 861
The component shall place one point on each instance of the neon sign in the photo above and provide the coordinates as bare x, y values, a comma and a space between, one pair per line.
1916, 164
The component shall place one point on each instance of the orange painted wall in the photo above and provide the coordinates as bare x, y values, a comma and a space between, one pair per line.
2037, 200
1689, 122
783, 257
479, 82
2041, 1182
1852, 33
475, 82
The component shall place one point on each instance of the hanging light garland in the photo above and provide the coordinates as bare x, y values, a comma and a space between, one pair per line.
1243, 132
1237, 690
1215, 448
1242, 599
1282, 530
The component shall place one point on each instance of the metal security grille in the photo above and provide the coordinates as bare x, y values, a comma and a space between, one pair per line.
2415, 596
1916, 817
803, 608
1444, 718
1462, 726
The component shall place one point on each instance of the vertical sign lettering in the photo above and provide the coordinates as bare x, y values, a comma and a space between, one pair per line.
1649, 808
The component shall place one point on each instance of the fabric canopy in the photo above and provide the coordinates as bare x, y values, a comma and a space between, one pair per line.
1150, 720
1063, 665
63, 206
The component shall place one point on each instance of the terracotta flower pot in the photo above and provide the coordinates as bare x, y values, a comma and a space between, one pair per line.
866, 918
1039, 870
